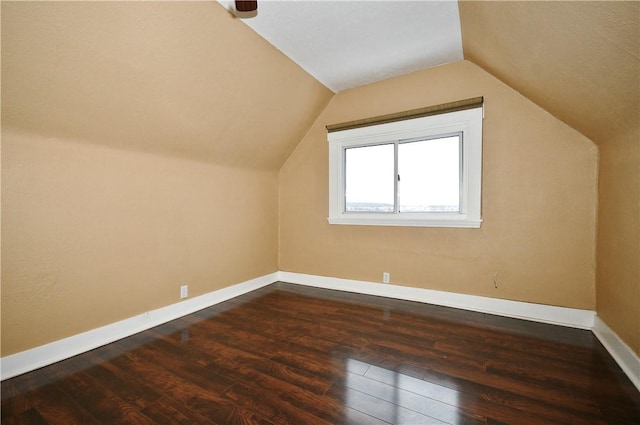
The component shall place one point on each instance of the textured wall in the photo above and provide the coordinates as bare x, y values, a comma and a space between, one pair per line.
539, 201
618, 289
578, 60
184, 79
92, 235
141, 143
581, 62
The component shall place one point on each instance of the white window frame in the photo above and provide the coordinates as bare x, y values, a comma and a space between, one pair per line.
467, 122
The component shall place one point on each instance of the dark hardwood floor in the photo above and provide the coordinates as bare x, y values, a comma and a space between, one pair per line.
288, 354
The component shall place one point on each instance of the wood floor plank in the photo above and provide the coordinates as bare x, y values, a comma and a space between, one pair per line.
280, 407
24, 394
101, 403
208, 402
481, 399
124, 386
288, 354
465, 371
166, 410
28, 417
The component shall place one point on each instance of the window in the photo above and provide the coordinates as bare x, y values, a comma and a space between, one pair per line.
416, 171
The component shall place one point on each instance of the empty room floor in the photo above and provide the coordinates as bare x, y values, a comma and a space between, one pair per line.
289, 354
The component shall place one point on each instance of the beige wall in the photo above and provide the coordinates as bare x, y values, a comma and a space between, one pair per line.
539, 201
581, 62
184, 79
141, 143
92, 235
618, 288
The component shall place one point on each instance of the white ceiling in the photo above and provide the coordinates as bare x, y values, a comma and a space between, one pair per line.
346, 44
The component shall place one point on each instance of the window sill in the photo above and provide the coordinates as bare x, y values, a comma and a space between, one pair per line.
449, 222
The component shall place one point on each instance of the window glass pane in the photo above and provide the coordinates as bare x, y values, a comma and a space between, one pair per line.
369, 179
429, 175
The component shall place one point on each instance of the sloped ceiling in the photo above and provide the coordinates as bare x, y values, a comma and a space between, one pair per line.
188, 79
345, 44
578, 60
185, 79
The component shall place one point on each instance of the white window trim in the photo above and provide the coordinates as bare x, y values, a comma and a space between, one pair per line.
469, 122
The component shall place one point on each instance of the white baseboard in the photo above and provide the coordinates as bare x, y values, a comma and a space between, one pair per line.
626, 358
47, 354
571, 317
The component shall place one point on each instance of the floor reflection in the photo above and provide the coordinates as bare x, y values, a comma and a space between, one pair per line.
397, 398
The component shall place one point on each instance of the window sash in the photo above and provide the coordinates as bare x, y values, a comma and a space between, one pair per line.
460, 176
397, 183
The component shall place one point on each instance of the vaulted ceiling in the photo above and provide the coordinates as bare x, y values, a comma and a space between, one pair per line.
346, 44
578, 60
188, 79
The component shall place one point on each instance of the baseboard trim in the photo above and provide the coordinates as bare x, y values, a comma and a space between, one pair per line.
626, 358
26, 361
570, 317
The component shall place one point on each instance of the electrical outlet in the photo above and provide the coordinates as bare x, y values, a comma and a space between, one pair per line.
184, 291
386, 277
